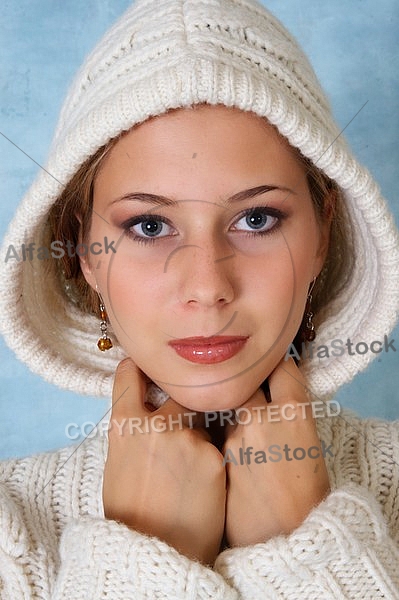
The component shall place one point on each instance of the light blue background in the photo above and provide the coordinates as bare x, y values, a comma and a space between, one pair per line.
354, 49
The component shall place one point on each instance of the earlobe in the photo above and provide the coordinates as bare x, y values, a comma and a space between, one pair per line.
87, 271
325, 228
324, 243
322, 250
84, 261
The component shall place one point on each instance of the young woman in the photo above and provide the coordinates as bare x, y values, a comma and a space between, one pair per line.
200, 220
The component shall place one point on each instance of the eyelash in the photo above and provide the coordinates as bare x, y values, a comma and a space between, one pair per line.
264, 210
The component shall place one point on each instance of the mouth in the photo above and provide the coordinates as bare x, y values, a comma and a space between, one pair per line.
208, 350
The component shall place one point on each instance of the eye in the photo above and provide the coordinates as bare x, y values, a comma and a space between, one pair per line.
147, 227
259, 220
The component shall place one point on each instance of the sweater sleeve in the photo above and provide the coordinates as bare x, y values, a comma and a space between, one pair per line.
341, 551
102, 559
55, 543
97, 559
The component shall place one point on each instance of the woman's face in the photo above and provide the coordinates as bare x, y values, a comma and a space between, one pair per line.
216, 243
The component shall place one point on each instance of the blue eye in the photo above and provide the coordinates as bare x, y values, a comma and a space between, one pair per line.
259, 220
150, 227
256, 221
147, 227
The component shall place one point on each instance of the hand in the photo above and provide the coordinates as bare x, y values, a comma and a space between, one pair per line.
266, 499
169, 484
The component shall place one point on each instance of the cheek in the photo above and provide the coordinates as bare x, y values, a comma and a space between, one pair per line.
274, 277
128, 281
276, 284
304, 241
133, 290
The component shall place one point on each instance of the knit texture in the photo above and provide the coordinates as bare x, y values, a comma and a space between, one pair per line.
55, 543
175, 53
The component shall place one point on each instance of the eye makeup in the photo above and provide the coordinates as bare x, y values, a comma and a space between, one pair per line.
150, 228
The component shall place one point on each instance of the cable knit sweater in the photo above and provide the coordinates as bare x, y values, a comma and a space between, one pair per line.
56, 544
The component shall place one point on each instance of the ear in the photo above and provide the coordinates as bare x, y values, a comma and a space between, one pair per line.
324, 229
88, 271
84, 261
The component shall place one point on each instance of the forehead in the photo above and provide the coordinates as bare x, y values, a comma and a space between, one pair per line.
206, 153
214, 131
203, 122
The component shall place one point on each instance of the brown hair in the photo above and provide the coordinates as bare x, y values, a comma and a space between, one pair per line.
70, 219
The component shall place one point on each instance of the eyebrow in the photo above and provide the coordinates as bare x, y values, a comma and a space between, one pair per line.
237, 197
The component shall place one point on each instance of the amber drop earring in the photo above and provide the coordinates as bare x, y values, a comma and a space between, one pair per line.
104, 343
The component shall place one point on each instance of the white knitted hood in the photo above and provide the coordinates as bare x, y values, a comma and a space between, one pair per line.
174, 53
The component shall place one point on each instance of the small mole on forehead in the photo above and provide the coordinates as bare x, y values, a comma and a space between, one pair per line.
194, 155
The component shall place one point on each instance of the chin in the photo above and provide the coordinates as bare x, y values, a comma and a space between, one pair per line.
213, 397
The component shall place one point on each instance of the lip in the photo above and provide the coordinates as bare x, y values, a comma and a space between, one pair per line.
209, 350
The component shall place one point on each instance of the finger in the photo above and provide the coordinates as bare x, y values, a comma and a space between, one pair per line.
128, 391
247, 413
202, 433
257, 399
199, 421
176, 413
287, 383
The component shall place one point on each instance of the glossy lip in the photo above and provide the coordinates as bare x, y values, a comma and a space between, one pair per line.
208, 350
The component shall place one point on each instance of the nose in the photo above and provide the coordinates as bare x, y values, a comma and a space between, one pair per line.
205, 274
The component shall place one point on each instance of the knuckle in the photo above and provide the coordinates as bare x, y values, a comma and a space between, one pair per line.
190, 437
124, 366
